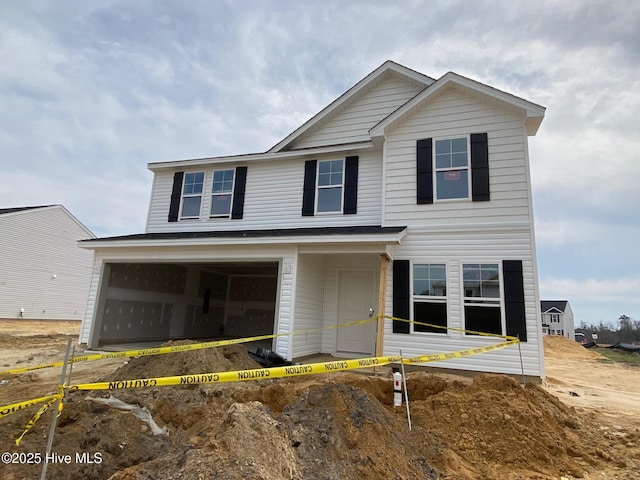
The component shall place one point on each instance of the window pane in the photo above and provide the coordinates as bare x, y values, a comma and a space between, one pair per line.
443, 146
430, 280
452, 184
459, 145
222, 181
191, 207
483, 319
220, 204
443, 161
193, 183
490, 281
428, 312
330, 173
330, 199
459, 159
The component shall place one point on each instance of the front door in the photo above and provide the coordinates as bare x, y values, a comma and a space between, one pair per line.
356, 295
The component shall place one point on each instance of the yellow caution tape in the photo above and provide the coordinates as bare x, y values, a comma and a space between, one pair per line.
280, 372
180, 348
242, 375
16, 407
39, 413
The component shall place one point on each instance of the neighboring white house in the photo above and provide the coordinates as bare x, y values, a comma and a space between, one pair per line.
557, 318
407, 195
43, 273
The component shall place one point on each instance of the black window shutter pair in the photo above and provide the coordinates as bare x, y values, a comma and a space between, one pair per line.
350, 194
239, 185
513, 297
479, 169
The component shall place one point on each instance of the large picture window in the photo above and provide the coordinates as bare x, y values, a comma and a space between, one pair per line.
430, 297
192, 194
222, 193
451, 169
482, 302
330, 184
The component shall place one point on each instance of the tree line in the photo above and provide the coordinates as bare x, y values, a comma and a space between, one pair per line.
625, 330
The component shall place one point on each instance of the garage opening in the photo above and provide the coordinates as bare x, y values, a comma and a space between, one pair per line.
156, 302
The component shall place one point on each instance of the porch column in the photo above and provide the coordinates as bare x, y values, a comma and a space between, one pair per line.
382, 302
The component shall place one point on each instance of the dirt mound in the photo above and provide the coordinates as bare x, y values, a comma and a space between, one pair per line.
218, 359
561, 347
333, 426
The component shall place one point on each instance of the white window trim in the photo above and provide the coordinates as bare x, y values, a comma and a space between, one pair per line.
192, 195
319, 187
430, 299
500, 300
435, 170
225, 215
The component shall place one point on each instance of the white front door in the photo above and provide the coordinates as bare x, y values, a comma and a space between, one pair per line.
356, 295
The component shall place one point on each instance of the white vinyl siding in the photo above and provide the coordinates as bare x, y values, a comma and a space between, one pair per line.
455, 247
353, 122
42, 269
273, 198
309, 304
452, 115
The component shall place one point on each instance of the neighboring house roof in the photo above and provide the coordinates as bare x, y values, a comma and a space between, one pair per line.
548, 305
384, 234
19, 210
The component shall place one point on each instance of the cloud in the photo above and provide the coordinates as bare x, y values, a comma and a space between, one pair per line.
599, 290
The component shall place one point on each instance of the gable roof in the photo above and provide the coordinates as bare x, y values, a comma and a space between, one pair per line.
384, 69
547, 305
534, 113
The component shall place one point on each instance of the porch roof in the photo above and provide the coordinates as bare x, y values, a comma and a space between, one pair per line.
309, 235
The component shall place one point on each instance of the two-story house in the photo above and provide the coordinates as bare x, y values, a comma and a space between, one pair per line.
406, 196
557, 318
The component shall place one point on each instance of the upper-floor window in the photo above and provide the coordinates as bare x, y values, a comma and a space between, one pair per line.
222, 193
482, 303
330, 184
192, 194
555, 318
430, 297
451, 168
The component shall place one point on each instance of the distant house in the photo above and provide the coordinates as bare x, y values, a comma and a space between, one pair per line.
557, 318
43, 273
407, 196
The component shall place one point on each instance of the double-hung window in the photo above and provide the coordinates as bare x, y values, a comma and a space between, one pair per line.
452, 169
482, 301
222, 193
430, 297
330, 185
192, 195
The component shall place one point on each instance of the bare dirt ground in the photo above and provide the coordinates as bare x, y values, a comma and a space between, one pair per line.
583, 422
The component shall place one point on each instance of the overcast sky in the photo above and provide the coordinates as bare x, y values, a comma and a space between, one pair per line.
90, 92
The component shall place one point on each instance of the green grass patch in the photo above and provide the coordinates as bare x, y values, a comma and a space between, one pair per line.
620, 356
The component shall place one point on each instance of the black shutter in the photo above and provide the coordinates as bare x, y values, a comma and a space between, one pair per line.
479, 167
176, 192
514, 299
309, 188
424, 166
401, 300
238, 193
350, 206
